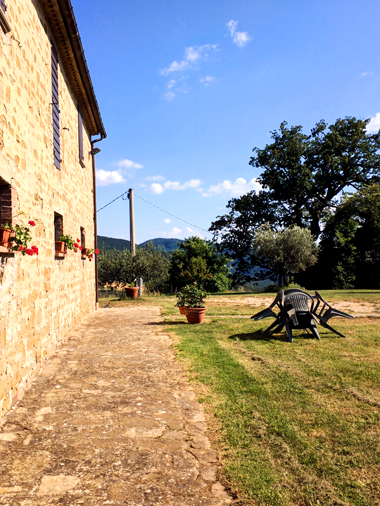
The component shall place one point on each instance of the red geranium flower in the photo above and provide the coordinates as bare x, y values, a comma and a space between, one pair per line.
76, 245
21, 248
80, 247
29, 251
96, 251
35, 249
31, 223
75, 250
78, 240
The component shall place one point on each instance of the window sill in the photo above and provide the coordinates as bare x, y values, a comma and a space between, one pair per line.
4, 22
7, 251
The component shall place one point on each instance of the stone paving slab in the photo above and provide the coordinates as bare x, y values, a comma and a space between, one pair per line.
110, 420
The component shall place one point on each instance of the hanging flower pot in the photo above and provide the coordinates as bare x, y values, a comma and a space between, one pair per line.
132, 291
84, 253
60, 247
4, 236
195, 314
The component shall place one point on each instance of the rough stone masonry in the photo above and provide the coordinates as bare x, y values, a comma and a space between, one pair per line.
111, 419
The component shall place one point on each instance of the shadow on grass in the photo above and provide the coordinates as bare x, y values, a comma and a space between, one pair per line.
166, 323
259, 335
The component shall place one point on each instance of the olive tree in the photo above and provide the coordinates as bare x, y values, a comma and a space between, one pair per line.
284, 252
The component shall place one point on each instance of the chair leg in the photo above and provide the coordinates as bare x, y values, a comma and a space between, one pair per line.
314, 330
277, 329
327, 326
289, 331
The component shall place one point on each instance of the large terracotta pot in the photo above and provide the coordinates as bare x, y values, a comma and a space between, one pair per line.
60, 247
4, 236
195, 314
132, 291
182, 309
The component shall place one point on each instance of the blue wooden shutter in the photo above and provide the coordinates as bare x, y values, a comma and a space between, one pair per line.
55, 107
80, 138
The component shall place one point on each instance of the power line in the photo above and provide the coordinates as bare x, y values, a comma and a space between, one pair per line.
112, 201
170, 214
150, 203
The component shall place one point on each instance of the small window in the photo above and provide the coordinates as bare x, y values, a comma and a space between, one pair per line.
82, 237
7, 202
80, 138
58, 226
55, 107
3, 20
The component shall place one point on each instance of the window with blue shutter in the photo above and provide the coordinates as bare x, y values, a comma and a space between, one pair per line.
55, 107
80, 138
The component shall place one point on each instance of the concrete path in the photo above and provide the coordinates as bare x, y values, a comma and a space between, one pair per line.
111, 420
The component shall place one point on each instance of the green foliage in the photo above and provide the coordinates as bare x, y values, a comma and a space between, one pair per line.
350, 243
68, 240
191, 296
197, 260
301, 177
119, 268
287, 251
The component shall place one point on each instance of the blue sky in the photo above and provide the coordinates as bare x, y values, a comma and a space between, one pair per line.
187, 89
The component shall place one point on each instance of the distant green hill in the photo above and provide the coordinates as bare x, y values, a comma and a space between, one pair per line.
168, 245
109, 243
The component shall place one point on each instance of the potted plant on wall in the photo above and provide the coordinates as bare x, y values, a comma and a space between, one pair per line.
195, 309
5, 232
132, 290
64, 243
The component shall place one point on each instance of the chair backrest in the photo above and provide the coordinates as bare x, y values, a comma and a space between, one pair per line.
299, 300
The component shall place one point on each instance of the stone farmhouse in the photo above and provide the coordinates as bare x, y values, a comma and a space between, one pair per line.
48, 117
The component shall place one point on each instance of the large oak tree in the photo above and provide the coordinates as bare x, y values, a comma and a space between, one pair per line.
301, 177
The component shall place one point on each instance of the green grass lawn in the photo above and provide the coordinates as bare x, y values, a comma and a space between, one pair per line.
298, 423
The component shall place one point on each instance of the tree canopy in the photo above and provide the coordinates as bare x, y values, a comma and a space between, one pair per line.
198, 260
283, 252
302, 177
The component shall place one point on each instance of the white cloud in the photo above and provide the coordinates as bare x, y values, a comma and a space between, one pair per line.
374, 125
365, 74
128, 164
193, 56
227, 188
169, 95
176, 231
155, 178
174, 185
207, 80
166, 220
238, 38
105, 178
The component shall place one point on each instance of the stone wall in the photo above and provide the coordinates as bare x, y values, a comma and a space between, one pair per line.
41, 297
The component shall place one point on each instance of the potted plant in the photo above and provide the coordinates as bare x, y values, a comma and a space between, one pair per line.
195, 309
5, 232
64, 243
181, 302
89, 253
18, 238
132, 290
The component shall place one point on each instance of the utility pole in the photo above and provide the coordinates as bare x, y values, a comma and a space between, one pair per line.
132, 222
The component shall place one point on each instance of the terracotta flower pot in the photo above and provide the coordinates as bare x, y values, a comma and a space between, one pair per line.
131, 291
83, 253
60, 247
182, 309
4, 236
195, 314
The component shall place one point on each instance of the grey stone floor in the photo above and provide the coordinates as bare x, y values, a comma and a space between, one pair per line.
111, 420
